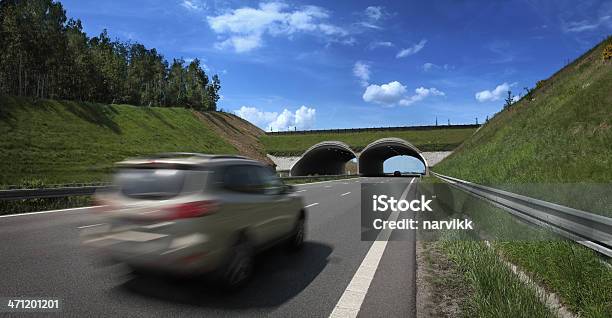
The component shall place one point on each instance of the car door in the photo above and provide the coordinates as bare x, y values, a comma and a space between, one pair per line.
277, 203
245, 202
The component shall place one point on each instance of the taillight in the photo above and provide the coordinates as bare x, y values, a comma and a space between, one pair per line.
191, 210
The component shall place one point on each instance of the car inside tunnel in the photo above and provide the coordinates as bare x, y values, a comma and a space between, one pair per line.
325, 158
373, 156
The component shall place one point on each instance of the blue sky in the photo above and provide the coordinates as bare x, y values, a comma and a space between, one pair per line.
330, 64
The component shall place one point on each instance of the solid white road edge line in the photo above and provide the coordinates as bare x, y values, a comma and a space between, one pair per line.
51, 211
343, 194
311, 205
354, 294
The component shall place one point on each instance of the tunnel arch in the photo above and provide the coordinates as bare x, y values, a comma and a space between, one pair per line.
373, 156
324, 158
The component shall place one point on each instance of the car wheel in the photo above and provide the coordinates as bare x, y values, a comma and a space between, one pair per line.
296, 241
239, 267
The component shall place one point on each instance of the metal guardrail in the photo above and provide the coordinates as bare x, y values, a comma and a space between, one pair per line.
591, 230
20, 194
69, 191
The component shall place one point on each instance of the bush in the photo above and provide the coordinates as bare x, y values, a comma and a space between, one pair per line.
607, 52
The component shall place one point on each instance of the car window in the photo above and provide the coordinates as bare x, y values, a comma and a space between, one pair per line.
152, 184
271, 183
242, 178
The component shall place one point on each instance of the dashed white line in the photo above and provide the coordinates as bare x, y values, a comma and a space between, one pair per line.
310, 205
298, 191
354, 294
327, 186
343, 194
86, 226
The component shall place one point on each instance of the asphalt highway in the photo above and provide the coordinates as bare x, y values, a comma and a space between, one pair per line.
336, 272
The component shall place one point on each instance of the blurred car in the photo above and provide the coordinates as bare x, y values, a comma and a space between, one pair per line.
192, 213
397, 173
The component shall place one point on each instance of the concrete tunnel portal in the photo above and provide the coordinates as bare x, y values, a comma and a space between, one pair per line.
324, 158
373, 156
330, 157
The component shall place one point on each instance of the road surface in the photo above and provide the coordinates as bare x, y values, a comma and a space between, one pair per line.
41, 257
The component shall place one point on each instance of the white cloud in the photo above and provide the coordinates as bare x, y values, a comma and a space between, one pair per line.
395, 93
256, 116
495, 94
362, 71
584, 25
411, 50
244, 28
193, 5
377, 44
420, 94
374, 12
303, 118
372, 15
515, 98
429, 66
387, 94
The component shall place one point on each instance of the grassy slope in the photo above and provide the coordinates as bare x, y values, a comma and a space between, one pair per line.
426, 140
562, 136
62, 142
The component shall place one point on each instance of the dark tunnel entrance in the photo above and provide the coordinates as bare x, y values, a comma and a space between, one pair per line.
373, 156
324, 158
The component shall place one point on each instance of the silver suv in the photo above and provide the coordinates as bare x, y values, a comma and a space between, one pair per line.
193, 213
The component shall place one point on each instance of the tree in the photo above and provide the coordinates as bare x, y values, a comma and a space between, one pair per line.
44, 54
509, 100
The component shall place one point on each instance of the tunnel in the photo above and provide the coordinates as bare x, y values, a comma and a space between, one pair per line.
374, 155
324, 158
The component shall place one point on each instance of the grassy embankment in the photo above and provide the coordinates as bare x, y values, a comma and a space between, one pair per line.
439, 139
55, 142
554, 144
50, 141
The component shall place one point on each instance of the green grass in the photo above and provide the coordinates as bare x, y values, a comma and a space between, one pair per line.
497, 291
575, 273
439, 139
563, 136
50, 141
571, 270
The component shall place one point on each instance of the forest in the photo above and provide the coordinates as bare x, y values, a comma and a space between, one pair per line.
45, 54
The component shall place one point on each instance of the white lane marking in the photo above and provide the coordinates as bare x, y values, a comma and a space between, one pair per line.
86, 226
311, 205
157, 225
304, 190
51, 211
327, 186
326, 181
354, 294
343, 194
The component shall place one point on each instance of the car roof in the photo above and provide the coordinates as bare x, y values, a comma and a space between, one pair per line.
186, 159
